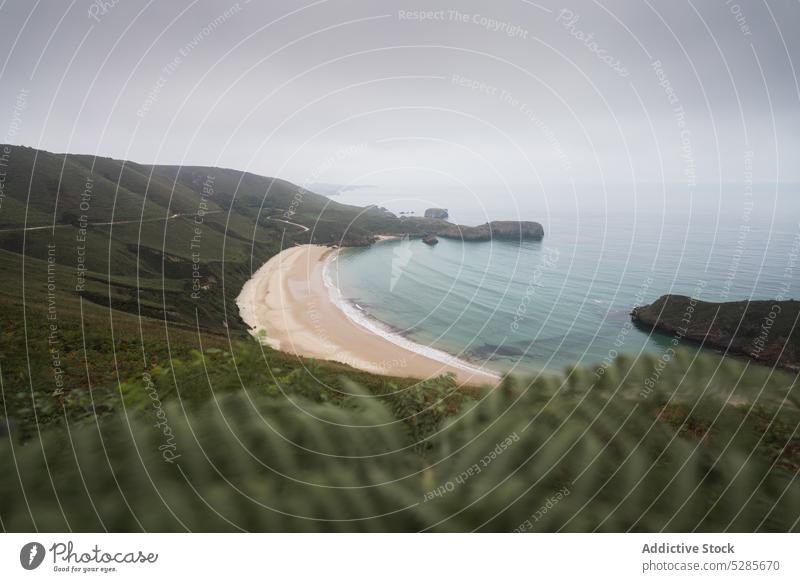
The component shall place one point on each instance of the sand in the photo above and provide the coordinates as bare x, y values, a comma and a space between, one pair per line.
287, 304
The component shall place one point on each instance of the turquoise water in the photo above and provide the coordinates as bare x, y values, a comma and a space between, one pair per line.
542, 305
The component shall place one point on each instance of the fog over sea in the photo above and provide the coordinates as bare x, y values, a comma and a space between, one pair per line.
542, 305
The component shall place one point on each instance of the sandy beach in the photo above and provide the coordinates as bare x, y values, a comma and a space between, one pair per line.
288, 301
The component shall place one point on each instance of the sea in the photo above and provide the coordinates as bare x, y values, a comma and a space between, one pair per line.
533, 306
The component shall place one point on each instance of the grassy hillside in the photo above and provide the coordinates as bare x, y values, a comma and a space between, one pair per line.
713, 448
136, 266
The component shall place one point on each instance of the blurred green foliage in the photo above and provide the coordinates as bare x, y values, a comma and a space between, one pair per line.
713, 448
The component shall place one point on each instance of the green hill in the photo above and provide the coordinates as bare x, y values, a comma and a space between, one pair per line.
112, 268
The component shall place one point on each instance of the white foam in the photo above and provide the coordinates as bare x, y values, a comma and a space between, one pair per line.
358, 315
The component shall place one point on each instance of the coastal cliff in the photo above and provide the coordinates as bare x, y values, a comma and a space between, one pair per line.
366, 230
498, 229
440, 213
766, 331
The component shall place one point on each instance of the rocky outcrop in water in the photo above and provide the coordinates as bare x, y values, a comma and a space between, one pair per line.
438, 213
430, 239
498, 229
766, 331
418, 227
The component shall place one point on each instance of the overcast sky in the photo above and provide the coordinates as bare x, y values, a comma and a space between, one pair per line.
366, 92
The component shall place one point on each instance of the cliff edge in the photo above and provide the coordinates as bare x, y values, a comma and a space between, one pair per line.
766, 331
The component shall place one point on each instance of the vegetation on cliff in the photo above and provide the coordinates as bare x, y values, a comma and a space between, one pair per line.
495, 230
766, 331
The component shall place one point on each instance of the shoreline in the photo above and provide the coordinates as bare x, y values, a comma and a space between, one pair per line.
289, 304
